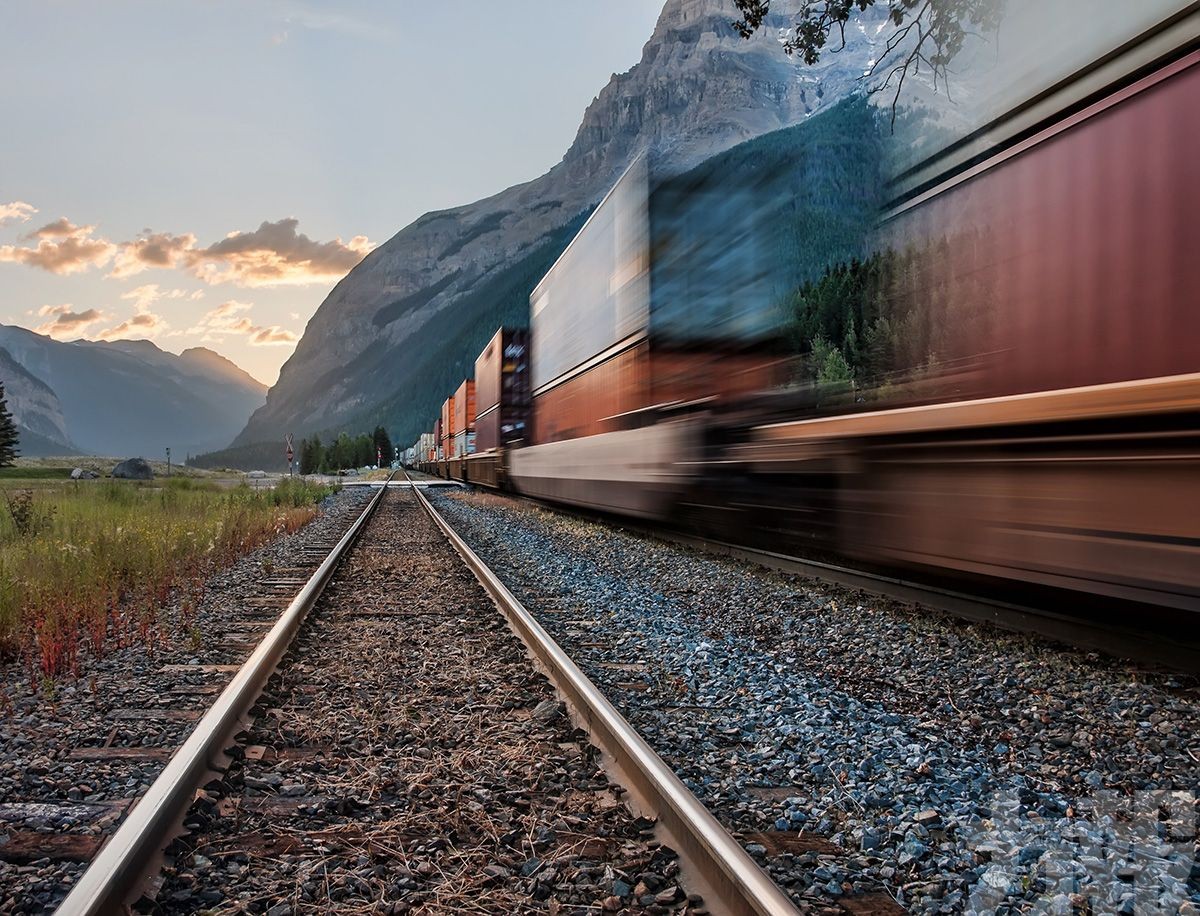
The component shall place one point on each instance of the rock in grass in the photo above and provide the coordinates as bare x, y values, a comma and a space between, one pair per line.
133, 469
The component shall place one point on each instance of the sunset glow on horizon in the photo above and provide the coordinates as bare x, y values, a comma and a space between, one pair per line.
204, 174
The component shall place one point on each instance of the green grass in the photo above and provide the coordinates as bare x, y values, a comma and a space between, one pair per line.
18, 473
87, 567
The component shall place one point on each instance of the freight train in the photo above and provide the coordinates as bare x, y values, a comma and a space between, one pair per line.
1004, 388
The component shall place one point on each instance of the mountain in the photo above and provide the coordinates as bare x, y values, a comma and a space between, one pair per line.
128, 397
35, 409
402, 328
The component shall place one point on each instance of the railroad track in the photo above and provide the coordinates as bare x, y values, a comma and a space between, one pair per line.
390, 763
886, 734
79, 753
129, 858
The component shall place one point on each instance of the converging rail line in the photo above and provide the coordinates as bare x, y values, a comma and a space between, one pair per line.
868, 754
129, 859
728, 874
404, 753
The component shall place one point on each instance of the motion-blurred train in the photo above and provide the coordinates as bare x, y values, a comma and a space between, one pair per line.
1004, 386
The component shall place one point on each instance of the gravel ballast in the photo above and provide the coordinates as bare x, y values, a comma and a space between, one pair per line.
76, 754
407, 758
859, 746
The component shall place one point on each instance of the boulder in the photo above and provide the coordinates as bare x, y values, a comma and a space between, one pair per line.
83, 474
134, 469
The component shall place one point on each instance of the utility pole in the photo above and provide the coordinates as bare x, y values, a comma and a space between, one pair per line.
168, 461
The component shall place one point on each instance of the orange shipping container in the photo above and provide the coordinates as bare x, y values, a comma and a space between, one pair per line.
464, 408
447, 419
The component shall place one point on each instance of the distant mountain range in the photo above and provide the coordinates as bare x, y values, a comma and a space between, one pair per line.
403, 328
121, 398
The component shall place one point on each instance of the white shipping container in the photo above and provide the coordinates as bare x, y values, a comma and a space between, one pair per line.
464, 444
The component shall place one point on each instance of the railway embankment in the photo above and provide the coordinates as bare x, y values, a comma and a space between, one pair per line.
857, 745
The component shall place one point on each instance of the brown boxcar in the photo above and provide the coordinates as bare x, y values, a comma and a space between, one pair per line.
502, 390
486, 469
1070, 258
1061, 274
631, 388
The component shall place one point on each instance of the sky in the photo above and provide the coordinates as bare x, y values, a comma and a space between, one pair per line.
202, 172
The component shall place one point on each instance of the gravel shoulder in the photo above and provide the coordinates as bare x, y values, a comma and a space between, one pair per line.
861, 746
407, 758
77, 753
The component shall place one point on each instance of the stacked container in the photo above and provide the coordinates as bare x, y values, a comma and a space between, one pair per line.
464, 419
426, 446
446, 429
502, 390
662, 299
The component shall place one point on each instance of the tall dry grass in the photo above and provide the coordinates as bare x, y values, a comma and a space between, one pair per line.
85, 567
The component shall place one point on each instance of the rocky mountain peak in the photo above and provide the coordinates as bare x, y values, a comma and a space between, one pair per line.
698, 89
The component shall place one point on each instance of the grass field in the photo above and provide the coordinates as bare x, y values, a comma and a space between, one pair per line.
104, 466
19, 473
85, 567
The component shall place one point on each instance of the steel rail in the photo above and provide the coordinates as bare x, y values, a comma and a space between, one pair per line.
716, 865
130, 858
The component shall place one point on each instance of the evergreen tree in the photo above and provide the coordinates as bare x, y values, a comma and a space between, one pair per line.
312, 455
364, 451
8, 433
383, 446
342, 453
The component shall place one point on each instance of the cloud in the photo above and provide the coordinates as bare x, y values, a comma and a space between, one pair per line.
145, 296
61, 228
152, 249
17, 210
224, 320
65, 323
62, 248
273, 336
325, 21
221, 318
143, 324
275, 254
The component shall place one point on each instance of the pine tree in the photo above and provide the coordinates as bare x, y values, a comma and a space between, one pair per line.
383, 446
312, 455
8, 433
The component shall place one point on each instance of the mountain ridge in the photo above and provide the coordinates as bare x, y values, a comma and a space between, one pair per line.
127, 397
35, 409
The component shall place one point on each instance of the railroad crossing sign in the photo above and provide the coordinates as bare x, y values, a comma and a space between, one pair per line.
290, 453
